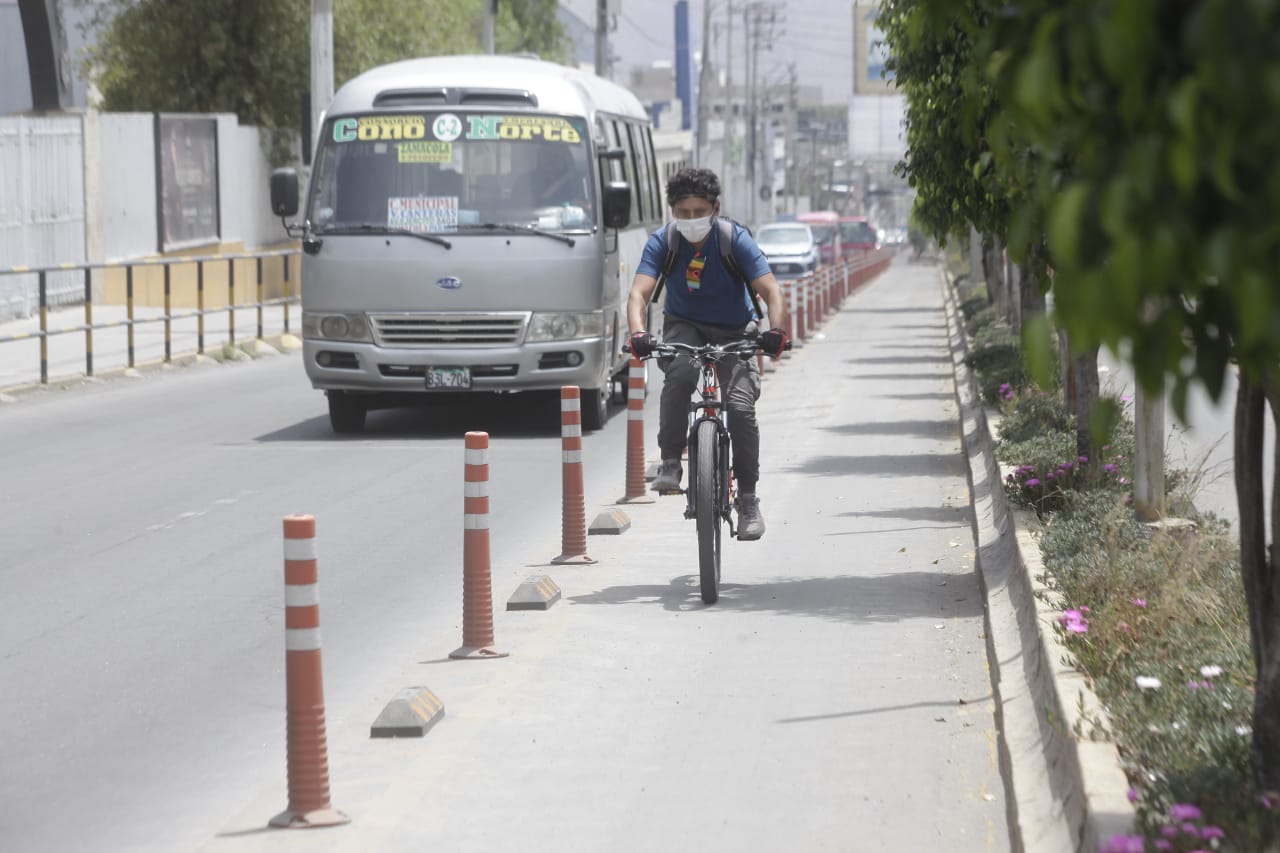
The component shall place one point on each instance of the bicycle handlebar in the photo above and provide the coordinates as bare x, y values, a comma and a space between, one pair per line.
746, 347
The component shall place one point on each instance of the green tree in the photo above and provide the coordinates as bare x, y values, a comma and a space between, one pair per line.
1163, 232
252, 57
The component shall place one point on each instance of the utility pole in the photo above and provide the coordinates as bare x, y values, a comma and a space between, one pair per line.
704, 77
728, 95
602, 38
490, 16
321, 61
793, 97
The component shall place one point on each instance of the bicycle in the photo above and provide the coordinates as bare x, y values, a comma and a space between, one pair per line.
711, 493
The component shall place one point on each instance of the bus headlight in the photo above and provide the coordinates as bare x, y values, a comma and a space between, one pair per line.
565, 327
335, 327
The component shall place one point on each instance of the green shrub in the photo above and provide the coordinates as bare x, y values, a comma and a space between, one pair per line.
1029, 412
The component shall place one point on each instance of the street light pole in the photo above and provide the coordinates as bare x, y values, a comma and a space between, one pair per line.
490, 15
321, 61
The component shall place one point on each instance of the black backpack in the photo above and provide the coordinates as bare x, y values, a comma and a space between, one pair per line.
725, 224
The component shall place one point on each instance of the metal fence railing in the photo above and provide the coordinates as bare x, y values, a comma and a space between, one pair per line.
231, 283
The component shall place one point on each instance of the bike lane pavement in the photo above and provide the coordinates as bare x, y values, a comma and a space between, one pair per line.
837, 697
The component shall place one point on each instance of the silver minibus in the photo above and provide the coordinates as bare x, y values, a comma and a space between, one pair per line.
471, 224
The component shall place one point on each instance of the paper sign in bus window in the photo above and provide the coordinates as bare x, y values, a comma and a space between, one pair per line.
425, 152
423, 214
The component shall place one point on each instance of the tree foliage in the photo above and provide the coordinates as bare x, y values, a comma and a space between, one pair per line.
1140, 138
252, 57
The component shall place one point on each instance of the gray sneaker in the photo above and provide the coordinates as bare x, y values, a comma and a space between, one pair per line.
750, 521
669, 474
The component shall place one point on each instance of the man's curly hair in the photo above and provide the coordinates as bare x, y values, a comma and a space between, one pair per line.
702, 183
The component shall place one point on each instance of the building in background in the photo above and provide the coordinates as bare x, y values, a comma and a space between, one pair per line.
877, 140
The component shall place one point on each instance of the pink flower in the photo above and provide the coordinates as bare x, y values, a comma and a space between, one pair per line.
1138, 602
1211, 832
1184, 811
1124, 844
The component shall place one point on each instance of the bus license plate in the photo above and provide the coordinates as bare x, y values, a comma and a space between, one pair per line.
448, 377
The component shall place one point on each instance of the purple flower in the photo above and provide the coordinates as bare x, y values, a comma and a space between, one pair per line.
1184, 811
1074, 621
1138, 602
1211, 832
1109, 468
1124, 844
1169, 831
1084, 460
1033, 482
1132, 794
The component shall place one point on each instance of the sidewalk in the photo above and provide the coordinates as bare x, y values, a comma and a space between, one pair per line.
839, 696
20, 360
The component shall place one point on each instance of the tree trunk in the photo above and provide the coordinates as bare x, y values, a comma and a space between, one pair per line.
1084, 369
993, 266
1258, 567
1030, 297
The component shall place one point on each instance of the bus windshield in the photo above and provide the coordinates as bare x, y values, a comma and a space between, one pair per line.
445, 171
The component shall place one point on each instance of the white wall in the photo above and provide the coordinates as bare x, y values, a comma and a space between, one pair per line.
81, 188
126, 159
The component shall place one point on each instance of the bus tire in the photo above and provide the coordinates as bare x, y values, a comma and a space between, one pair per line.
595, 407
346, 412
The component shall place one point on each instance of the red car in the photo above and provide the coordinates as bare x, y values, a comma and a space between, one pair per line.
858, 235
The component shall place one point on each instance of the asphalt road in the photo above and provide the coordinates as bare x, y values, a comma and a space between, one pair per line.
837, 697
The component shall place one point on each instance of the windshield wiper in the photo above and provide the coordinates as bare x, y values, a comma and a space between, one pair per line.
520, 229
366, 228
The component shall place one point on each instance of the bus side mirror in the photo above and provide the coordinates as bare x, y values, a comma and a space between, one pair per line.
284, 192
617, 204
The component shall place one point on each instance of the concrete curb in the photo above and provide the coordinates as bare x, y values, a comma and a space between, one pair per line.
279, 344
1065, 792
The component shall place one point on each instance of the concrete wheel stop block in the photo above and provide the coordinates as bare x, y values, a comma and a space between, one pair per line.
537, 593
411, 713
613, 521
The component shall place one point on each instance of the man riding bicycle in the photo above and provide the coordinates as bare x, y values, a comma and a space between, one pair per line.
707, 301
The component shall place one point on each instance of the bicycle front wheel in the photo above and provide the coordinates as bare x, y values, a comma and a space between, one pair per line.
706, 505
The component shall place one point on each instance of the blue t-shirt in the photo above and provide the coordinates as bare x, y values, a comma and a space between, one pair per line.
700, 288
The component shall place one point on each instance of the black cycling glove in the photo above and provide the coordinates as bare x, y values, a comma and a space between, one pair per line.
642, 344
774, 341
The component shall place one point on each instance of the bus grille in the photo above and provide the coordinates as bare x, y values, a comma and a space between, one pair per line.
420, 330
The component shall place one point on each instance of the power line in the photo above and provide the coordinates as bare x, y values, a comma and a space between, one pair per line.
663, 44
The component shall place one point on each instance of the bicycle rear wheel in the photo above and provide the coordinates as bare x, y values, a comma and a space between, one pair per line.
706, 505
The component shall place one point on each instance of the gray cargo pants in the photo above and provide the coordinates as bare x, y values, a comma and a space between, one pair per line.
739, 388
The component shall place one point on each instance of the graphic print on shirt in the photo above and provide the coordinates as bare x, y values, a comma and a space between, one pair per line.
693, 275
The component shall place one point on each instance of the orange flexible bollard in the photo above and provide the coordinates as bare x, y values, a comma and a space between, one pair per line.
636, 493
308, 756
477, 581
573, 528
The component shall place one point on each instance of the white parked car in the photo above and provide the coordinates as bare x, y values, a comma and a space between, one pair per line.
789, 247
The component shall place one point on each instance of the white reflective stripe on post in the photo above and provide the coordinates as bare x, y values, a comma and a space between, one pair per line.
635, 414
571, 456
573, 404
301, 594
478, 489
302, 639
476, 456
300, 549
475, 521
635, 393
571, 430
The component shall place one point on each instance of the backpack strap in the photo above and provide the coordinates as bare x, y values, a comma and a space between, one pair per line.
673, 245
730, 260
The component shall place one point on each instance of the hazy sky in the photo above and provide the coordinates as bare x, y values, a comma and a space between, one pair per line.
817, 35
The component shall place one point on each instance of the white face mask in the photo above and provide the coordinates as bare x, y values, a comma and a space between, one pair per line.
694, 230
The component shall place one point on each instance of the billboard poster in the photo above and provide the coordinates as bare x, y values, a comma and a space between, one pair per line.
187, 181
870, 53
